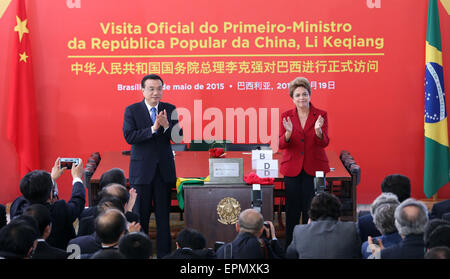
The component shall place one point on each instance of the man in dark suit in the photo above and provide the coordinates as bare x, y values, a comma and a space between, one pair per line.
44, 250
37, 186
109, 226
115, 194
88, 244
136, 245
147, 126
440, 209
18, 238
249, 243
191, 244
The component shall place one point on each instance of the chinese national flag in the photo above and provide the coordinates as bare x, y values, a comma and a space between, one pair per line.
22, 126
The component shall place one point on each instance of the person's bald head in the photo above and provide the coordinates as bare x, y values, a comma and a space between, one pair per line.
250, 221
116, 190
411, 217
110, 226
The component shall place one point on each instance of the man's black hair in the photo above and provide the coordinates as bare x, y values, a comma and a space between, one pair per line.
41, 214
136, 246
397, 184
18, 236
114, 175
36, 186
191, 238
437, 233
151, 76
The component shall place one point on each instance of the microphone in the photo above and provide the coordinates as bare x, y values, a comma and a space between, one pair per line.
256, 196
319, 182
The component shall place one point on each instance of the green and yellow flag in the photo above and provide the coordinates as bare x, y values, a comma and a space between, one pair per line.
189, 180
436, 170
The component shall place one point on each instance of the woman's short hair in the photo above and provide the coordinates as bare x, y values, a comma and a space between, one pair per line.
383, 218
299, 82
384, 198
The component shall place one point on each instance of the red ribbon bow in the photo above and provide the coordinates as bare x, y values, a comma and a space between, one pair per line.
216, 152
253, 178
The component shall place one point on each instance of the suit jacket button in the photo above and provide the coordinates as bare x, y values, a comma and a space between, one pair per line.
302, 140
302, 153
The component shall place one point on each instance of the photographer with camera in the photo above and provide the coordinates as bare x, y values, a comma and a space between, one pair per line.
38, 187
254, 240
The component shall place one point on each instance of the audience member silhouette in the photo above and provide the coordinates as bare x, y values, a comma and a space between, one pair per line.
325, 236
397, 184
44, 250
191, 244
136, 245
382, 210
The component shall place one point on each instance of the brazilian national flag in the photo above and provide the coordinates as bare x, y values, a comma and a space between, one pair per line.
436, 171
188, 180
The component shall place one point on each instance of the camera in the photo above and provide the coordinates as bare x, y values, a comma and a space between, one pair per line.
266, 225
218, 244
68, 162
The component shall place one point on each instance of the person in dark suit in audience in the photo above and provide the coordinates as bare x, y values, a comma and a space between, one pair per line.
446, 216
437, 233
112, 176
3, 219
249, 244
191, 244
85, 245
136, 245
91, 243
147, 127
109, 226
114, 190
382, 211
110, 254
411, 218
439, 209
36, 187
44, 250
18, 238
325, 236
397, 184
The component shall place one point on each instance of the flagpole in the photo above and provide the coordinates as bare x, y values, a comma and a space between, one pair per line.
435, 197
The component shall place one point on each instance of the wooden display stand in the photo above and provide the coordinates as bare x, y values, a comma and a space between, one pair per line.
213, 209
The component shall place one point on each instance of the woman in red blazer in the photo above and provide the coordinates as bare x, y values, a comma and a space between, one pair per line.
303, 138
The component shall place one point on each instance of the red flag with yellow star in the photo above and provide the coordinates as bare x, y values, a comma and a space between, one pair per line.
22, 126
